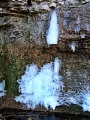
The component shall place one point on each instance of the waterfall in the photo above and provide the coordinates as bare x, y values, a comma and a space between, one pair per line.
52, 36
41, 87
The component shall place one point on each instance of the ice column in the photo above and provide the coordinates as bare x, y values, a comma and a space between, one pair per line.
73, 46
52, 36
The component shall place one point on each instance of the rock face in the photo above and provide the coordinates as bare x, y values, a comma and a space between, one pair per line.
23, 30
75, 24
29, 24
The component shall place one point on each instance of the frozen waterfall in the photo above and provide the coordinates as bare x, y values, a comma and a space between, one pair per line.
41, 87
45, 87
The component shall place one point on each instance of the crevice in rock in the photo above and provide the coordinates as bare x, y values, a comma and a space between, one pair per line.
29, 3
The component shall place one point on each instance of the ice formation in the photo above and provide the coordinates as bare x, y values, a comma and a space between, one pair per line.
78, 26
41, 87
83, 35
52, 36
82, 99
45, 87
67, 2
77, 29
2, 86
57, 65
73, 45
88, 27
86, 102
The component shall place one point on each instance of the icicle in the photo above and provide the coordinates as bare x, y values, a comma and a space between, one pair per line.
73, 45
2, 86
77, 29
52, 36
83, 35
57, 64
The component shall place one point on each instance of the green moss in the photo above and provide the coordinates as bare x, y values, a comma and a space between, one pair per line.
10, 71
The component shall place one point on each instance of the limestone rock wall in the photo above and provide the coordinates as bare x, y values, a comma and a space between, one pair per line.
26, 24
74, 24
23, 31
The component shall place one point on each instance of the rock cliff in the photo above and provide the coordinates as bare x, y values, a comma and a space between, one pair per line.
26, 24
23, 30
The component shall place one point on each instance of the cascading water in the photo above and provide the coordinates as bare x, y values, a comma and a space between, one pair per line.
52, 35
